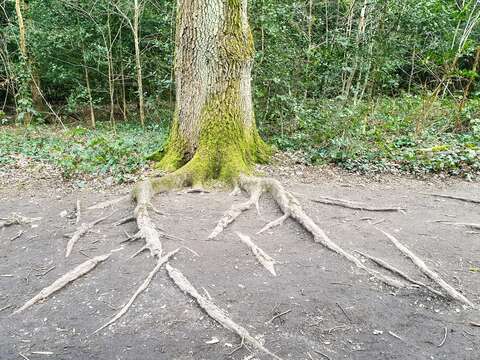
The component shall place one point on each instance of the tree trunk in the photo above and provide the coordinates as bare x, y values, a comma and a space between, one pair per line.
213, 132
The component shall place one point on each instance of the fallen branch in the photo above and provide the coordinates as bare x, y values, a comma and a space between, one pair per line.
142, 288
355, 206
468, 225
290, 205
460, 198
67, 278
81, 231
444, 337
262, 257
277, 316
454, 294
400, 273
214, 311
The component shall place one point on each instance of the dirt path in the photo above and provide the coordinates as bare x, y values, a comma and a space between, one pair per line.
334, 310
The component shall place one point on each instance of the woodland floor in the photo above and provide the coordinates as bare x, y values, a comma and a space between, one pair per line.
335, 310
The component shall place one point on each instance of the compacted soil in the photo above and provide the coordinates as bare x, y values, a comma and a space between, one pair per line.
319, 306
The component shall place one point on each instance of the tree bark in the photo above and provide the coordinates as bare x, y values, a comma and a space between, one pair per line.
213, 132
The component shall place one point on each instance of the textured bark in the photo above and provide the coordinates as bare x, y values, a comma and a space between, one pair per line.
213, 125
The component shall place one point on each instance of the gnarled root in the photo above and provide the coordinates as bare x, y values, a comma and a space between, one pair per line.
60, 283
16, 219
142, 288
214, 311
354, 205
146, 228
291, 207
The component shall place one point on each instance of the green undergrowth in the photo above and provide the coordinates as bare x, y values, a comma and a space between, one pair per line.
388, 135
80, 150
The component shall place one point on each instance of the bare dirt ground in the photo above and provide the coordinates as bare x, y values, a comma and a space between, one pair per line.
332, 309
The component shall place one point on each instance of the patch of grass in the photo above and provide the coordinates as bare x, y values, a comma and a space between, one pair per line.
79, 150
388, 135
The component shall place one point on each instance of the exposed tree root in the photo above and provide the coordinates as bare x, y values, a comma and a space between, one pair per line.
262, 257
460, 198
108, 203
236, 210
78, 211
274, 223
354, 205
81, 231
454, 294
214, 311
16, 219
147, 230
291, 207
468, 225
142, 288
67, 278
125, 220
400, 273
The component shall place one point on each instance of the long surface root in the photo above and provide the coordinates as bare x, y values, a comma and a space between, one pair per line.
214, 311
354, 205
450, 290
141, 289
291, 207
67, 278
263, 258
81, 231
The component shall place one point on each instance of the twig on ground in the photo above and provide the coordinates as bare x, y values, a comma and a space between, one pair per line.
23, 356
277, 316
344, 312
214, 311
263, 258
474, 324
320, 353
454, 294
81, 231
395, 335
142, 288
64, 280
400, 273
20, 233
5, 307
444, 337
354, 205
460, 198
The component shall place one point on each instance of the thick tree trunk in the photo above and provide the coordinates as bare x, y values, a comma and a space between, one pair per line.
213, 133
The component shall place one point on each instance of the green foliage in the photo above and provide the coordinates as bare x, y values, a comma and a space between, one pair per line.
79, 150
382, 136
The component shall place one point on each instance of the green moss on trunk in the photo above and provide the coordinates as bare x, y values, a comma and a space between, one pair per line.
226, 146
